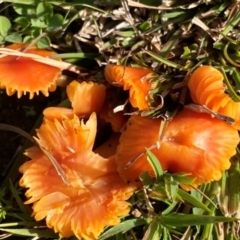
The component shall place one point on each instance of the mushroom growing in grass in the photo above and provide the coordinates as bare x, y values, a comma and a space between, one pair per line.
86, 97
193, 143
207, 88
96, 195
25, 75
134, 79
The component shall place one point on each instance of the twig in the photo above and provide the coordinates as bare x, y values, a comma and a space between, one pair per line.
129, 16
202, 25
140, 5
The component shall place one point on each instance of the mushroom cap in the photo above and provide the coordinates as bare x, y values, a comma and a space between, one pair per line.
86, 97
52, 113
95, 197
193, 143
134, 79
24, 75
207, 88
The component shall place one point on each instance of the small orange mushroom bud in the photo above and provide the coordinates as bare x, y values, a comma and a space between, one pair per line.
24, 75
134, 79
207, 88
52, 113
86, 97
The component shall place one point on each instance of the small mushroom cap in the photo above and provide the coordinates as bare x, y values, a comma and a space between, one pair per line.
86, 97
52, 113
24, 75
207, 88
194, 143
96, 195
134, 79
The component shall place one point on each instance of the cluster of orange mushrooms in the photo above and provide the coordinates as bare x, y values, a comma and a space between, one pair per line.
97, 182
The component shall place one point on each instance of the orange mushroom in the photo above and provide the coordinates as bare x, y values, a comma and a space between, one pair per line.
193, 143
24, 75
207, 88
52, 113
86, 97
134, 79
96, 195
